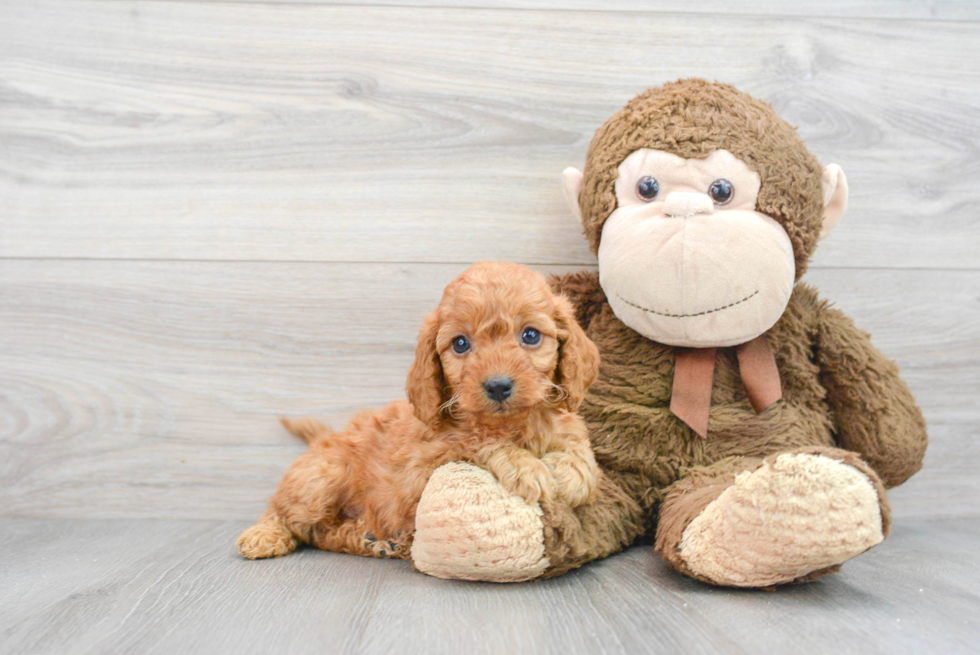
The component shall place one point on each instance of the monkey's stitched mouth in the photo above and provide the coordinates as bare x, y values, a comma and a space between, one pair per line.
709, 311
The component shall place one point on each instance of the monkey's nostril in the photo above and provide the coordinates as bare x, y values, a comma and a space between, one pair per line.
498, 388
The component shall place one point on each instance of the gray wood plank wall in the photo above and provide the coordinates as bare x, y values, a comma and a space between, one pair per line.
216, 213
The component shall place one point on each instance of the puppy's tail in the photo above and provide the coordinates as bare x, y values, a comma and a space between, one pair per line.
307, 429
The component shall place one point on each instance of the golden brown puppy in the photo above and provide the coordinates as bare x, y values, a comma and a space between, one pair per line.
500, 370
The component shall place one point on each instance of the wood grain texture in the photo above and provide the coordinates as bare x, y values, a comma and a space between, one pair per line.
73, 587
216, 213
151, 389
227, 131
877, 9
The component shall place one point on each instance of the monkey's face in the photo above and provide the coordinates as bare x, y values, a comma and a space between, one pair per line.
685, 259
703, 207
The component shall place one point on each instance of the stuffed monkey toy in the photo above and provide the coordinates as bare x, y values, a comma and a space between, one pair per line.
737, 418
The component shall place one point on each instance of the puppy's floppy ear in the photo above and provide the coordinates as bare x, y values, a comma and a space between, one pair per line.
578, 357
426, 384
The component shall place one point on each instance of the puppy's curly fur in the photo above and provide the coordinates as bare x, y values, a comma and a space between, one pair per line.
356, 491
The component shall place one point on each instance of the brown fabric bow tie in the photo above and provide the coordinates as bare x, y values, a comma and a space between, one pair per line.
694, 372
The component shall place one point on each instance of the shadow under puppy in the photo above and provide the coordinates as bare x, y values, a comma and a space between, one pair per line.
500, 370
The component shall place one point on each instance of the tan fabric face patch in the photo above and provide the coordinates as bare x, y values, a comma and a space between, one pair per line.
676, 174
684, 269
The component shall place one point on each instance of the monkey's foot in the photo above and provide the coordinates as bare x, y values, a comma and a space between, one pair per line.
796, 517
468, 527
266, 539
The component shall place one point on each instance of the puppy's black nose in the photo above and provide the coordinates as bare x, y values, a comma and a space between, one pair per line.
498, 388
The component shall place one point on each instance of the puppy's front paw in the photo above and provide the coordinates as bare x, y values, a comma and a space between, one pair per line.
265, 540
575, 479
531, 480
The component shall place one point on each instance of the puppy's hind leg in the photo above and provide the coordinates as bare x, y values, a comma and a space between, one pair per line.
352, 536
268, 538
306, 497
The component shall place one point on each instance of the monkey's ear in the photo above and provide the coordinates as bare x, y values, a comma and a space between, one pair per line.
572, 180
426, 384
834, 198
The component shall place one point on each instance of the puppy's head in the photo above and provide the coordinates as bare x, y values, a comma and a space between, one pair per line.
500, 344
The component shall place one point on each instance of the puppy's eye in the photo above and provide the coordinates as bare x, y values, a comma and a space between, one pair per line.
460, 345
530, 337
721, 191
647, 188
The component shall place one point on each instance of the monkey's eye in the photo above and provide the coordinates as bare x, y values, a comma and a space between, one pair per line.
460, 344
647, 188
530, 337
721, 191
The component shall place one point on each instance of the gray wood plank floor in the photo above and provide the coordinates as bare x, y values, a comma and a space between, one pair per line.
215, 213
152, 586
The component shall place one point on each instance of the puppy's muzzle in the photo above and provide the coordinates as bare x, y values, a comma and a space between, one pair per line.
498, 388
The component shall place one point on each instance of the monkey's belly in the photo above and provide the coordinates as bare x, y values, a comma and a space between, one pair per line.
647, 447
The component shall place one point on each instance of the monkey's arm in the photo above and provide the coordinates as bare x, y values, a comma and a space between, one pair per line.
874, 411
582, 288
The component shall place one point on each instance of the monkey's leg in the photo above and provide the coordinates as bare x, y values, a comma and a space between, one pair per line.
791, 517
576, 536
469, 527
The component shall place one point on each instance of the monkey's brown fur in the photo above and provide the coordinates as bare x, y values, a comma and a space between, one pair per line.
357, 491
841, 397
